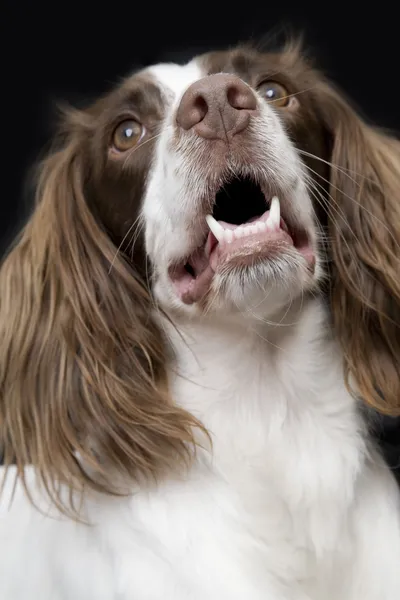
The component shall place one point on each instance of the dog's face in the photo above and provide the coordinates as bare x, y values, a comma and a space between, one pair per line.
224, 193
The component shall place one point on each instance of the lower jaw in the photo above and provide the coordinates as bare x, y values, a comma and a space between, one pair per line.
233, 259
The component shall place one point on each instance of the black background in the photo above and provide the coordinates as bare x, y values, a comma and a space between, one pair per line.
74, 50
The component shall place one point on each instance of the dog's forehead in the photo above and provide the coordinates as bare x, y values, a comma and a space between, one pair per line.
248, 63
174, 79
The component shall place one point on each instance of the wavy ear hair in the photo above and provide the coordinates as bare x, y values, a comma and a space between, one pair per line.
364, 233
82, 362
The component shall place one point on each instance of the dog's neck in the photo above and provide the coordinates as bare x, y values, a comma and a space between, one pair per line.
269, 394
254, 364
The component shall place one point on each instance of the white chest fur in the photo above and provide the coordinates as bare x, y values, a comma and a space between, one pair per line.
278, 509
264, 512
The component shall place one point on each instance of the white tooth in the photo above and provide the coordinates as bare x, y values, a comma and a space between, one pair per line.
247, 230
269, 226
274, 217
238, 232
215, 227
261, 226
228, 235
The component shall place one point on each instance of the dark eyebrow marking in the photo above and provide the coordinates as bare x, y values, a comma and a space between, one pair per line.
138, 94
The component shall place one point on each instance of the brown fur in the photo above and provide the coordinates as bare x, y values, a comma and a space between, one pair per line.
83, 366
364, 223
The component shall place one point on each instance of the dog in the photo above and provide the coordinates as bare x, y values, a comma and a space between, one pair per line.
195, 322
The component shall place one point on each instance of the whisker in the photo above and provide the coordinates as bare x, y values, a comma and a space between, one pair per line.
340, 169
340, 212
357, 203
293, 94
338, 228
135, 236
122, 243
324, 202
137, 148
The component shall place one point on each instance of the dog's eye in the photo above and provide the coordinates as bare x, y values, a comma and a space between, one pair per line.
275, 93
127, 135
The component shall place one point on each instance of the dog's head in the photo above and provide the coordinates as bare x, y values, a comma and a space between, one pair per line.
230, 185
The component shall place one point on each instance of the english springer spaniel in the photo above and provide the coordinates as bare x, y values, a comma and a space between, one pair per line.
194, 323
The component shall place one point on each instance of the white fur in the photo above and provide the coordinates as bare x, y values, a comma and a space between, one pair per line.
184, 173
290, 503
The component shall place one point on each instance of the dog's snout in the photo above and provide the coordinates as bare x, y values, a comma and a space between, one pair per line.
217, 107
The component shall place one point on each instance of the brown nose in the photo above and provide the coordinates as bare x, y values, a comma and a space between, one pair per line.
216, 107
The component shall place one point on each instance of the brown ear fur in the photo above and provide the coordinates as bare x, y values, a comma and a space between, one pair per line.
364, 226
82, 365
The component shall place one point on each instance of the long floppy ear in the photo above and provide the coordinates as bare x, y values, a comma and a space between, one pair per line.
364, 229
82, 363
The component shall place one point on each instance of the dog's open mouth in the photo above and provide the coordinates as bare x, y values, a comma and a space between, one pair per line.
245, 228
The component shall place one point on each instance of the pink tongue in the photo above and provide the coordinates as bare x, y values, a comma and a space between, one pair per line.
200, 260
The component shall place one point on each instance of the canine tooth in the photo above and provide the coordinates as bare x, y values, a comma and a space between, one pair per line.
215, 227
269, 226
274, 217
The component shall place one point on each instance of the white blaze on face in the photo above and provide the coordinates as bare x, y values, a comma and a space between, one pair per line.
177, 226
174, 79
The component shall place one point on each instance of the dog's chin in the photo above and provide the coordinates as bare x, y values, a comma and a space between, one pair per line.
259, 286
254, 279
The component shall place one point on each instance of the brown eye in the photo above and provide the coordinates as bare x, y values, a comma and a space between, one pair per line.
275, 93
127, 135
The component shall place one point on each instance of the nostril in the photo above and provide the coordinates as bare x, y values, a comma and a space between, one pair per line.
200, 107
241, 98
192, 109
